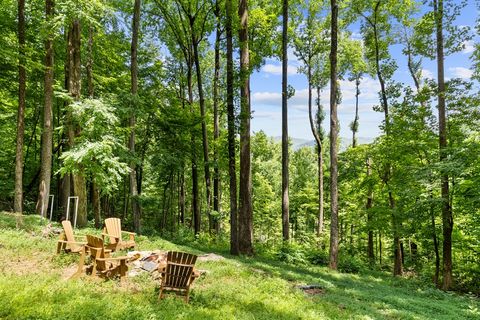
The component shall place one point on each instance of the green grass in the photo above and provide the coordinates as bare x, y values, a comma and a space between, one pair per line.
33, 285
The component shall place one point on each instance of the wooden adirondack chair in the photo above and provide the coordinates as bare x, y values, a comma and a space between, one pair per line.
113, 230
178, 274
67, 241
102, 265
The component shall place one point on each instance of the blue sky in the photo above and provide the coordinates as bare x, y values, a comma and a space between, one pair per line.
266, 90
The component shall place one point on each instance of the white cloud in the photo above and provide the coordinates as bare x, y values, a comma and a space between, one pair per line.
368, 94
469, 47
461, 72
427, 74
277, 69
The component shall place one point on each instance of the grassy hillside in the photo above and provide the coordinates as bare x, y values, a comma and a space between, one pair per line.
34, 285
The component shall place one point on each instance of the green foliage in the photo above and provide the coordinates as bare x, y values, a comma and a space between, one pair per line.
95, 153
291, 253
233, 288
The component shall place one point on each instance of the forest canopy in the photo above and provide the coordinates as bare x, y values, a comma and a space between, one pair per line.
143, 109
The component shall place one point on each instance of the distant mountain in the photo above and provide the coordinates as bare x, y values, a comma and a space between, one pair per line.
298, 143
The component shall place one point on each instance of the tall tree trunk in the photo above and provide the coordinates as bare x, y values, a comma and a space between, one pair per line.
79, 184
318, 141
216, 123
22, 78
234, 249
47, 134
206, 161
377, 67
447, 216
195, 204
181, 201
245, 212
64, 184
369, 205
435, 242
333, 138
397, 244
355, 121
136, 208
90, 89
285, 199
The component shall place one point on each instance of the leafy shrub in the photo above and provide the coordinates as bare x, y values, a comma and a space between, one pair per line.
318, 257
350, 264
292, 253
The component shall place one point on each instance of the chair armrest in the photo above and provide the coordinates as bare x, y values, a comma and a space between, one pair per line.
113, 258
72, 242
128, 232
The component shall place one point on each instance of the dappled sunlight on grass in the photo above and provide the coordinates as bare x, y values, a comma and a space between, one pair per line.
232, 288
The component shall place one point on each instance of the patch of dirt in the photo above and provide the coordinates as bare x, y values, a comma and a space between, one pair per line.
19, 266
314, 291
69, 271
311, 290
210, 257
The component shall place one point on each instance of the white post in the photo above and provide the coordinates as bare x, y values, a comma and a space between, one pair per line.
76, 210
51, 205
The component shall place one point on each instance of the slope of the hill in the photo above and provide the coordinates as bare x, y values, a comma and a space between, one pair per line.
34, 285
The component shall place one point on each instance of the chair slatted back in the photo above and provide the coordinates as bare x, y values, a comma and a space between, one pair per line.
178, 275
67, 228
114, 229
181, 257
97, 250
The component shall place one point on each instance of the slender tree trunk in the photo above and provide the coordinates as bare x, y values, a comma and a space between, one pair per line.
182, 198
136, 208
333, 138
90, 89
285, 199
318, 141
79, 183
206, 160
245, 212
234, 247
195, 204
369, 205
355, 122
216, 122
377, 67
47, 134
435, 243
64, 185
447, 216
22, 78
397, 244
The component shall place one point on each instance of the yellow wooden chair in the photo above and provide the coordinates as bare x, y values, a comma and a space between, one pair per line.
113, 230
67, 241
178, 274
101, 264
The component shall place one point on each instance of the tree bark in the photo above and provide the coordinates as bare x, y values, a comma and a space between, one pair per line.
447, 216
333, 138
369, 205
22, 78
206, 161
216, 122
435, 243
355, 121
75, 83
397, 250
245, 213
234, 249
318, 141
136, 208
285, 198
47, 134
